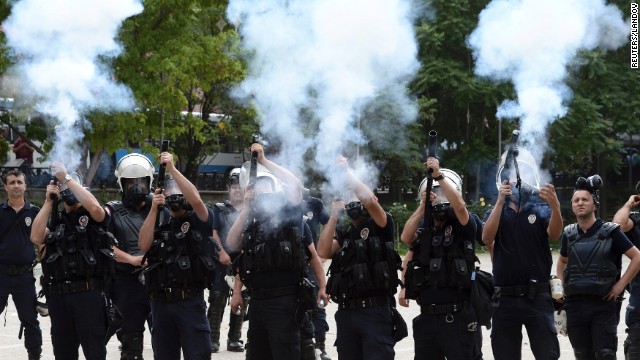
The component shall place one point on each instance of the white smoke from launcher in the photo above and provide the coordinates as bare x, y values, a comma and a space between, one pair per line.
531, 43
330, 58
58, 44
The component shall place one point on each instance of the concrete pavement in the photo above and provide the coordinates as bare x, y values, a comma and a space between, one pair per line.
12, 348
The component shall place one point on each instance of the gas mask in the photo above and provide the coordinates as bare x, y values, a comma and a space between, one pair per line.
443, 211
136, 194
68, 197
176, 202
356, 210
592, 184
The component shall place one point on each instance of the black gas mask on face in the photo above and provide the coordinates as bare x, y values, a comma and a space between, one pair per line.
356, 210
136, 194
68, 197
176, 202
443, 211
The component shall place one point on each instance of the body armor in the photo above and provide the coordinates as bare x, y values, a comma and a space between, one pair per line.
277, 249
363, 267
227, 216
180, 257
445, 262
590, 270
77, 250
127, 223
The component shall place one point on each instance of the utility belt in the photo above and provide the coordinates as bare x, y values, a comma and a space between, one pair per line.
258, 294
176, 294
441, 309
70, 287
16, 270
529, 291
361, 303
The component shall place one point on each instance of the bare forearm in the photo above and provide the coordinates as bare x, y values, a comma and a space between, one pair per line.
410, 228
39, 226
145, 237
325, 241
490, 228
234, 237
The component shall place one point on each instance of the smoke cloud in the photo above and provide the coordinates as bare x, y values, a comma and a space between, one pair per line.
58, 44
531, 43
330, 59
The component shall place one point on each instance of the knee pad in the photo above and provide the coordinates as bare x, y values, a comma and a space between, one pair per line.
605, 354
582, 354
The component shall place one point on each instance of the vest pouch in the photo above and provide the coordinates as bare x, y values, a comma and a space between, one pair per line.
436, 240
361, 250
376, 252
447, 240
381, 275
284, 257
261, 257
361, 277
414, 278
333, 286
460, 277
207, 261
438, 272
88, 256
184, 263
306, 295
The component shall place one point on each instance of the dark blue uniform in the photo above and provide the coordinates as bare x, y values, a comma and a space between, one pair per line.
223, 216
274, 322
632, 318
76, 305
17, 256
178, 311
591, 321
447, 326
128, 293
364, 322
315, 213
522, 257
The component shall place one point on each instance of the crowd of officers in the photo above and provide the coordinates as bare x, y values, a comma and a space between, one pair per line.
148, 258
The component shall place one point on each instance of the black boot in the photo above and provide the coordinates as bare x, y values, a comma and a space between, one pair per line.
307, 350
320, 339
217, 303
235, 329
132, 346
34, 354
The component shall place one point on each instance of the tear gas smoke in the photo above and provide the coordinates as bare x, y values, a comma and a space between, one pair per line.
330, 58
58, 44
531, 43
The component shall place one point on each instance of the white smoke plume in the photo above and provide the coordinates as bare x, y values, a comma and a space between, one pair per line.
58, 44
330, 58
531, 43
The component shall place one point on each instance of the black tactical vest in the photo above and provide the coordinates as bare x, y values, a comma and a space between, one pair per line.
590, 270
180, 257
272, 250
78, 250
364, 267
127, 224
446, 262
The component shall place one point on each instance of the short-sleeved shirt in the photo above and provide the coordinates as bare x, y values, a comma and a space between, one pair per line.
619, 242
316, 214
521, 250
385, 234
291, 215
16, 248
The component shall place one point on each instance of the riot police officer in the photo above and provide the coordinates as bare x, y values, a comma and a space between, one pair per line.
590, 265
17, 259
276, 249
363, 272
224, 215
630, 224
180, 266
518, 229
78, 262
440, 274
134, 172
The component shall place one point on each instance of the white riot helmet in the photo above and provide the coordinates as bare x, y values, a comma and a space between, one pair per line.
528, 170
455, 179
269, 192
441, 205
134, 172
262, 176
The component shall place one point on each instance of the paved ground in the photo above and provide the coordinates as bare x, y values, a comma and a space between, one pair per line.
12, 348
